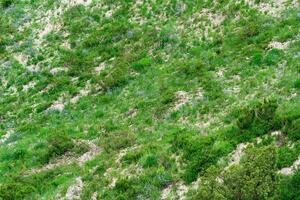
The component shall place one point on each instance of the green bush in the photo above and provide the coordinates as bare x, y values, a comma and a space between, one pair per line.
15, 190
59, 144
273, 57
289, 187
200, 152
6, 3
286, 156
116, 77
297, 84
257, 59
258, 119
254, 178
293, 129
28, 187
142, 64
289, 119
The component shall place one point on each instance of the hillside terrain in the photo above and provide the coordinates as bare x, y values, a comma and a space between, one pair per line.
150, 99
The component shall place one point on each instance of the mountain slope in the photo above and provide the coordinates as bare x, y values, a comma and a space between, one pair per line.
149, 99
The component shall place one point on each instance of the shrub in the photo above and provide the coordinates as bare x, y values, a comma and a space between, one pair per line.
200, 152
257, 59
286, 157
142, 64
289, 119
57, 145
289, 187
28, 187
254, 178
297, 84
15, 190
273, 57
166, 98
293, 129
259, 118
191, 68
6, 3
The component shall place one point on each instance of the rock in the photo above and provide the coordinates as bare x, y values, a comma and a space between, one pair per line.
74, 191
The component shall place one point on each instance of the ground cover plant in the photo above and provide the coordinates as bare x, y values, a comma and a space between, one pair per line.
160, 99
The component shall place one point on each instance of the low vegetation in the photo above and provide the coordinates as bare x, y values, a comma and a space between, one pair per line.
149, 99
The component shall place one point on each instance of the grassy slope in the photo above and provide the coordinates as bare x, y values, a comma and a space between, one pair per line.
166, 89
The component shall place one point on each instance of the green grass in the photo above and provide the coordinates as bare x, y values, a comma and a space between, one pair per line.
236, 87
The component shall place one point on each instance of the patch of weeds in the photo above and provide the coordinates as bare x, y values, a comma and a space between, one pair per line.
167, 36
15, 155
167, 97
202, 73
16, 190
191, 69
251, 26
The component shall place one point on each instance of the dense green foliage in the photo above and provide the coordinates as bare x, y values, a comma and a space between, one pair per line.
254, 178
